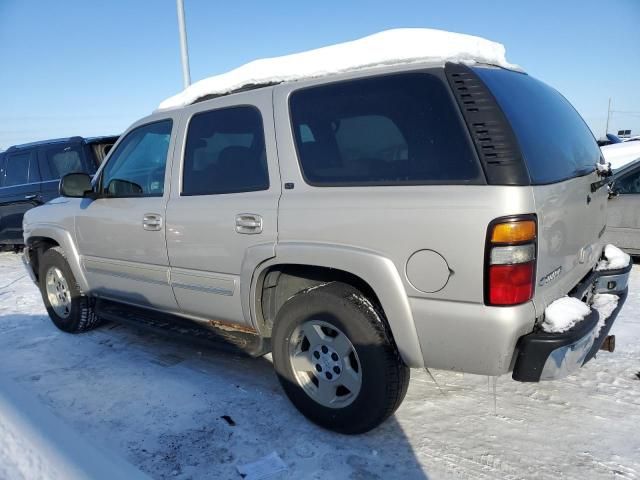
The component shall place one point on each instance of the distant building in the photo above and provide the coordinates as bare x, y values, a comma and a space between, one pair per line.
624, 133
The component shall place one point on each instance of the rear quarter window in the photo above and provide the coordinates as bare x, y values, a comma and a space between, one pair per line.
401, 129
554, 140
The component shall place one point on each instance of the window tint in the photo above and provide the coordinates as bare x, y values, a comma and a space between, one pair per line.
137, 167
16, 170
225, 153
390, 130
555, 141
629, 184
64, 159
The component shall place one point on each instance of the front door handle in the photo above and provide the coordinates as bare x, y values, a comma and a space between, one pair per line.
248, 223
152, 222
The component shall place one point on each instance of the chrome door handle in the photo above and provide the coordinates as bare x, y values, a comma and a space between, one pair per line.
248, 223
152, 221
30, 197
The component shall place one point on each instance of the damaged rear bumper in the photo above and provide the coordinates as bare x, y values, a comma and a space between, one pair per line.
550, 356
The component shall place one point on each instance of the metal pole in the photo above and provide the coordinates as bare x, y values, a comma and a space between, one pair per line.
184, 51
606, 130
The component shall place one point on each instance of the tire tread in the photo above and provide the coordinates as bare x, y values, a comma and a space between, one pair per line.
88, 319
397, 374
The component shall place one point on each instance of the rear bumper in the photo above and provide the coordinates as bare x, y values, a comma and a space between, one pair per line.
550, 356
470, 337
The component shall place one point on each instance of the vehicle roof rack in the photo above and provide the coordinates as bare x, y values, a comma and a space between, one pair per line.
45, 142
244, 88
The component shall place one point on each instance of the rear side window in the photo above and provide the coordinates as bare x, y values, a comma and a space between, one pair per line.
629, 184
64, 159
225, 153
19, 168
554, 139
392, 130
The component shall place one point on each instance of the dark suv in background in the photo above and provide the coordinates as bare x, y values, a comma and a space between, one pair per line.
30, 173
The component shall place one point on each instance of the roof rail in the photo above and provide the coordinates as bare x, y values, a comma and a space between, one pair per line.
45, 142
245, 88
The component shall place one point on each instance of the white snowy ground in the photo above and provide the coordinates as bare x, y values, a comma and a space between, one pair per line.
159, 405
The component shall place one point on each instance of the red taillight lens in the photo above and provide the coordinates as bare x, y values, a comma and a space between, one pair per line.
510, 264
511, 284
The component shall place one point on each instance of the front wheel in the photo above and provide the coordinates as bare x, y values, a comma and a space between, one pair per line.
336, 361
69, 309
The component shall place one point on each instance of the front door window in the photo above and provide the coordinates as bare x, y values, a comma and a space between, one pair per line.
137, 167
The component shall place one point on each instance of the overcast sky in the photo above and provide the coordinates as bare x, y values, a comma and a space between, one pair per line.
82, 67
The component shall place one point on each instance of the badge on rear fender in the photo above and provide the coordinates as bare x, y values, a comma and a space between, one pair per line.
547, 279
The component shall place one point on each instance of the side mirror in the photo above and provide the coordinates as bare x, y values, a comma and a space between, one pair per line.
75, 185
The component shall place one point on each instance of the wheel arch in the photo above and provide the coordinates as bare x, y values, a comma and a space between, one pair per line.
43, 237
35, 247
298, 265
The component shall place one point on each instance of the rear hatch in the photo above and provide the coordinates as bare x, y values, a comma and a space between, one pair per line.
560, 154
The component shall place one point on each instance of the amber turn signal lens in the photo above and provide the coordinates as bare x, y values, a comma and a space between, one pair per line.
511, 232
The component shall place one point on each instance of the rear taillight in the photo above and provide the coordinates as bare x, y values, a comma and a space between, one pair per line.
510, 264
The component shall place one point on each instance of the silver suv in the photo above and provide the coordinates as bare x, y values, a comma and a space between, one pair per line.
355, 226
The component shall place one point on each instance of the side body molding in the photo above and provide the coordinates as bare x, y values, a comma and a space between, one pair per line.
379, 272
66, 242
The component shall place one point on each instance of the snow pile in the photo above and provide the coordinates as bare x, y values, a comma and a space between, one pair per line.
390, 47
563, 314
605, 304
614, 259
35, 444
163, 416
621, 154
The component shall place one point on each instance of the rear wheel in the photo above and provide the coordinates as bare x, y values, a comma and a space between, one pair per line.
336, 361
69, 309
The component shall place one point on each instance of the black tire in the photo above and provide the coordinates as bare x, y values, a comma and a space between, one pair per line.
82, 316
384, 376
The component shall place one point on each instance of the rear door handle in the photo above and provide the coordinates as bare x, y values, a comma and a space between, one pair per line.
31, 197
152, 222
248, 223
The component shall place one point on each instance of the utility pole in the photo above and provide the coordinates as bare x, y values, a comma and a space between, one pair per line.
184, 51
606, 130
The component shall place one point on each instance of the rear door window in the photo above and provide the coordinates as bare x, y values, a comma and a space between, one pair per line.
554, 139
629, 184
225, 153
19, 169
400, 129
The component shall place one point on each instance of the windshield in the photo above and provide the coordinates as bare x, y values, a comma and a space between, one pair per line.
554, 139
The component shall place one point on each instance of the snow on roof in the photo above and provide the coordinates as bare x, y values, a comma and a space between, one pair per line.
390, 47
